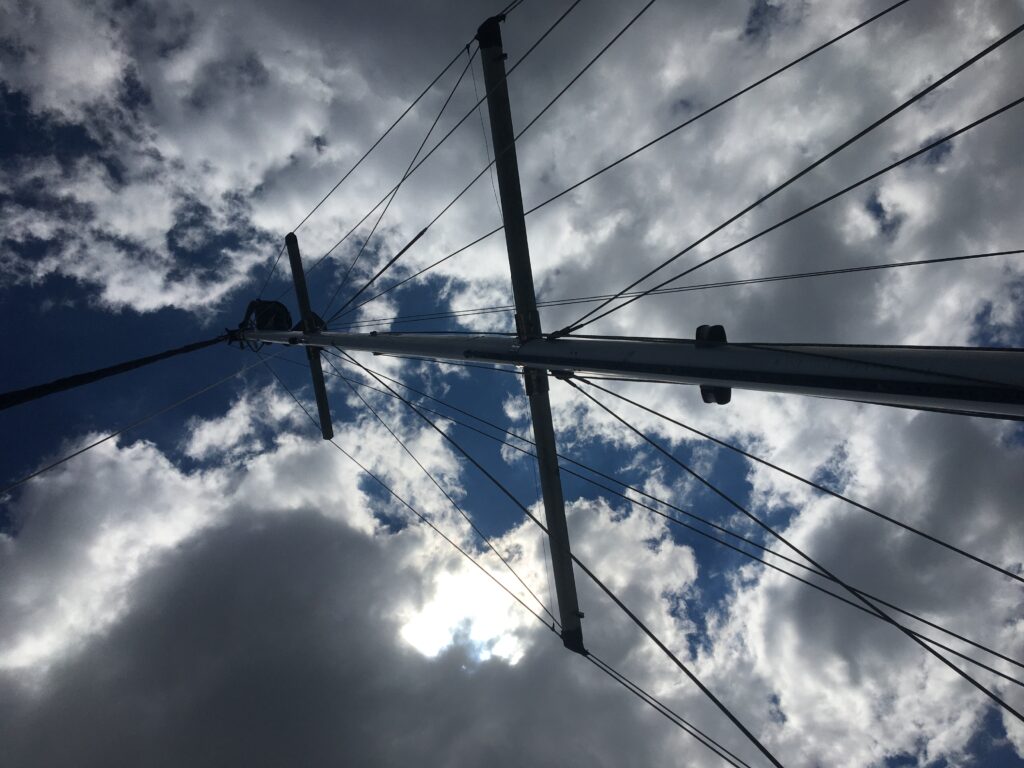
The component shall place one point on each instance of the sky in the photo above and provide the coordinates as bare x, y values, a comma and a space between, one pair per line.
218, 585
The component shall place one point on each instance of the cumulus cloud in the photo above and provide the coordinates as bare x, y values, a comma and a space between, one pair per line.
176, 592
236, 607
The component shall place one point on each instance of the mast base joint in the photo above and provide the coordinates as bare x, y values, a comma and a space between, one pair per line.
710, 336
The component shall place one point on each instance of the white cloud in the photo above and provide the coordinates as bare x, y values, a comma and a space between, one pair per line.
250, 113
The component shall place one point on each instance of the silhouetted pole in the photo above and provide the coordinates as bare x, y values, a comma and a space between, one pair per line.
310, 324
528, 327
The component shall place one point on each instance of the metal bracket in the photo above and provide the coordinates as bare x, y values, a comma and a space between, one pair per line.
708, 336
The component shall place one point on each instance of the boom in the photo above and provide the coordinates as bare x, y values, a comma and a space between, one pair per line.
980, 382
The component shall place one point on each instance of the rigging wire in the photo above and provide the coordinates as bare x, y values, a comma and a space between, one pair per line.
583, 321
590, 574
802, 580
28, 394
511, 7
906, 159
677, 289
811, 483
668, 505
635, 619
447, 495
487, 147
137, 423
444, 138
530, 124
655, 140
359, 162
612, 596
679, 721
391, 199
669, 714
508, 9
714, 746
767, 551
785, 541
721, 103
705, 534
383, 136
425, 269
423, 518
271, 271
675, 660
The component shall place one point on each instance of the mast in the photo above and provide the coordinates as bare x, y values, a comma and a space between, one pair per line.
528, 328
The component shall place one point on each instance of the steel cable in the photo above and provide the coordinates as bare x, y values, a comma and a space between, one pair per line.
652, 142
732, 534
444, 138
391, 199
530, 124
785, 541
583, 321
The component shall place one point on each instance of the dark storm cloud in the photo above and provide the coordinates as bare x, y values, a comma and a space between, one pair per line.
232, 76
763, 14
275, 642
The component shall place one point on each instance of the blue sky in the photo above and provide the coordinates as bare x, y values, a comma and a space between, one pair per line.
241, 592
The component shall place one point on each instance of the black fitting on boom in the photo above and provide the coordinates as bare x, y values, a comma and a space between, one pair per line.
709, 336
